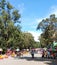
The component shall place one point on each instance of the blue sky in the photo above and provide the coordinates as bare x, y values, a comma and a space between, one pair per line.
32, 12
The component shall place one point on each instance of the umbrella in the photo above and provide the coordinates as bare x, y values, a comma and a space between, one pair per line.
1, 49
17, 49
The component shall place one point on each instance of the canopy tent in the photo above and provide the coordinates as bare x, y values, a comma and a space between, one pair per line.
45, 49
17, 49
1, 49
55, 43
53, 47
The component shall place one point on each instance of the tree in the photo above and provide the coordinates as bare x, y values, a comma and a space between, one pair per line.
48, 27
27, 41
9, 32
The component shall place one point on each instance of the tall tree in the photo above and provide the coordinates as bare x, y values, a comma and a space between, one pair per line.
48, 27
27, 41
9, 32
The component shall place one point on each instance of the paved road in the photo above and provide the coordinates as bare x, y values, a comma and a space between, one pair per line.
27, 60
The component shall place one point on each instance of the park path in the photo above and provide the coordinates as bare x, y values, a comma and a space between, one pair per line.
27, 60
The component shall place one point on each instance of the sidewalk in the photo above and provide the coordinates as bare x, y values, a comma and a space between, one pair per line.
26, 60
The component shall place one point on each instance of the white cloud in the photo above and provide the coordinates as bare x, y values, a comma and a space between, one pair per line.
35, 35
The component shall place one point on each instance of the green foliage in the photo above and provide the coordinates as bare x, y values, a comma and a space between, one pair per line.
9, 33
48, 27
16, 16
9, 6
27, 40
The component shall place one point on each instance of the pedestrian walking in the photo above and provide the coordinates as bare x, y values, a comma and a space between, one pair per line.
32, 53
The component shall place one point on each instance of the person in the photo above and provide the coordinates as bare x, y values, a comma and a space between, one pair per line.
32, 53
43, 53
48, 54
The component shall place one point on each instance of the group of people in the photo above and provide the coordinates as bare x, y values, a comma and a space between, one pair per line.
46, 54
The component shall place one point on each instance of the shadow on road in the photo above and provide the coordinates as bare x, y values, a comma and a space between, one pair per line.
39, 59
